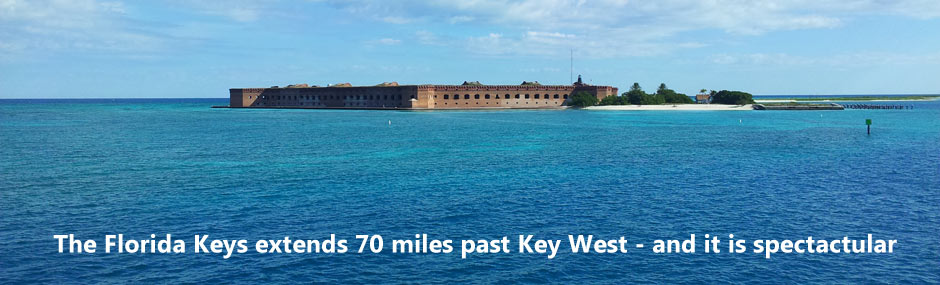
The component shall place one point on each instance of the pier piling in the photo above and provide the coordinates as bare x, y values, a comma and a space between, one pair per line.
878, 107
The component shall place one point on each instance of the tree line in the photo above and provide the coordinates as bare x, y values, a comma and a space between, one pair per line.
663, 95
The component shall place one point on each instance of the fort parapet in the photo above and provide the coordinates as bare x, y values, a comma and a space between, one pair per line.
389, 96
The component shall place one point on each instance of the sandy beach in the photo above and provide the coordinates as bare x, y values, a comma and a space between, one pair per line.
676, 107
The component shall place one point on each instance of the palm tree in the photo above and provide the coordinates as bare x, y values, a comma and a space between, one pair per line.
636, 86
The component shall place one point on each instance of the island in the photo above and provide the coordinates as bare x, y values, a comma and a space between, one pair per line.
391, 95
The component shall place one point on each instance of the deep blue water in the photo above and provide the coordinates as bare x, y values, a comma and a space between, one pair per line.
142, 167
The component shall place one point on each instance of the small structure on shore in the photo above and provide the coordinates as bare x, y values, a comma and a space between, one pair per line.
703, 98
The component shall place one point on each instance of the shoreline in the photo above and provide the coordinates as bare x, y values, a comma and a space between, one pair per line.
673, 107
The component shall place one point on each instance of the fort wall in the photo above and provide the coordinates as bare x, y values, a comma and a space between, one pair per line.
415, 96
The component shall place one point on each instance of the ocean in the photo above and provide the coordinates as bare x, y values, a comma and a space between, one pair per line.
175, 166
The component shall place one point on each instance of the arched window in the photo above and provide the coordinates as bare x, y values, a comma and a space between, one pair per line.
527, 96
497, 96
556, 96
487, 96
507, 96
456, 96
566, 96
517, 96
466, 96
446, 96
536, 96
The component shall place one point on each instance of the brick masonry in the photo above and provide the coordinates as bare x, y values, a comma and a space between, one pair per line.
415, 96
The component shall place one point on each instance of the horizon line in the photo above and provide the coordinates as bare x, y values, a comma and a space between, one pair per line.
143, 98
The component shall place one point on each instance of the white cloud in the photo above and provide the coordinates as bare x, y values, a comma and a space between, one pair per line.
245, 11
856, 59
460, 19
33, 27
426, 37
595, 28
59, 14
730, 15
761, 59
396, 20
635, 27
386, 41
616, 43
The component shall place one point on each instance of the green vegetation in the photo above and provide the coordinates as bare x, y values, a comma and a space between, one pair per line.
526, 83
472, 83
732, 98
636, 96
671, 97
612, 100
583, 99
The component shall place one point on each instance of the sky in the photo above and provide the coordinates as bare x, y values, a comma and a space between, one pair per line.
200, 49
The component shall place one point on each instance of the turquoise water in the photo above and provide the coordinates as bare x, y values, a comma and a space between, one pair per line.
142, 167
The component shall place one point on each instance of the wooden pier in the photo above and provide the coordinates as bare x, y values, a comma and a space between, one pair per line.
878, 107
788, 107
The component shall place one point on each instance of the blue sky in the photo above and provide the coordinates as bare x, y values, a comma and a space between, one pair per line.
107, 49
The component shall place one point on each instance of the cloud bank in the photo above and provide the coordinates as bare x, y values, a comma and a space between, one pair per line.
635, 28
